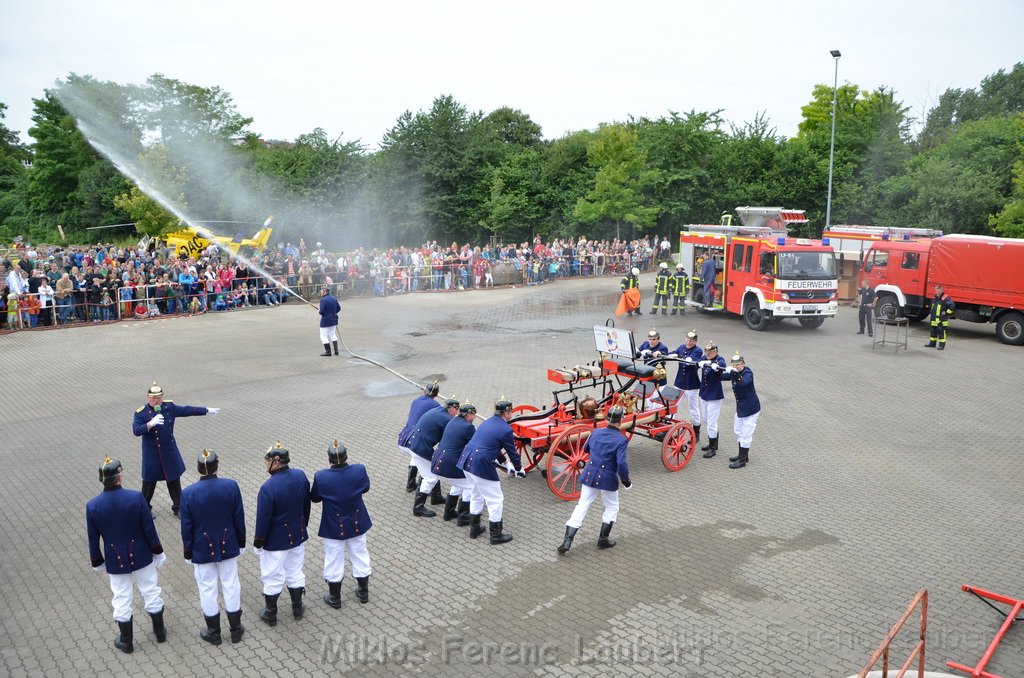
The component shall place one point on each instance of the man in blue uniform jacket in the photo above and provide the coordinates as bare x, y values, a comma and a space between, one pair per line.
417, 409
748, 407
605, 467
154, 423
212, 538
425, 436
344, 522
653, 348
329, 310
131, 551
687, 378
492, 444
711, 396
457, 433
282, 514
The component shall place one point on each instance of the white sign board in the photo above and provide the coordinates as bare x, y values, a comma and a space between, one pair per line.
614, 341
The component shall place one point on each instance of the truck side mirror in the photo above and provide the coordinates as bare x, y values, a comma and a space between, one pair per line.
867, 268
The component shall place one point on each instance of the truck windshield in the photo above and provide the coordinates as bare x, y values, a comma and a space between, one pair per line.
806, 265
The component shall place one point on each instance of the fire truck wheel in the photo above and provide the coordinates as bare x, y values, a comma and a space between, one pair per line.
812, 323
755, 317
1010, 329
887, 307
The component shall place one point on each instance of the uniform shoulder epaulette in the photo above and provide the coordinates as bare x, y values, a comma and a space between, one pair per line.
168, 401
140, 409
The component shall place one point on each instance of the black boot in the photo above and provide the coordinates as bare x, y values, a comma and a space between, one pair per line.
664, 312
327, 351
674, 310
436, 498
497, 536
475, 529
297, 607
269, 613
363, 592
450, 510
711, 448
211, 633
410, 483
603, 542
463, 518
159, 630
738, 453
638, 312
333, 595
742, 460
696, 433
570, 532
418, 508
654, 311
335, 347
123, 640
235, 624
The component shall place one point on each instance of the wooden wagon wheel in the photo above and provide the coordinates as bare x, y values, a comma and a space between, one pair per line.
566, 460
521, 409
527, 455
678, 446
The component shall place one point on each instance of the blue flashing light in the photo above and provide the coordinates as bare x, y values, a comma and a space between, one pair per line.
906, 236
885, 236
782, 241
825, 242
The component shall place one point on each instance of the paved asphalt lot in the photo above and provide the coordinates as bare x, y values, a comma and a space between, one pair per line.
873, 474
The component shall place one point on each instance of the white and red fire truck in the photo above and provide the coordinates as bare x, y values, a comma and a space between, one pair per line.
762, 273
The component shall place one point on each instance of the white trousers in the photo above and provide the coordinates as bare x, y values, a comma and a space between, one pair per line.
335, 551
461, 487
744, 427
423, 466
328, 334
278, 568
406, 450
486, 492
609, 498
121, 585
693, 401
709, 411
208, 575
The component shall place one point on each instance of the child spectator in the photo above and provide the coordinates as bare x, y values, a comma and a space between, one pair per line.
106, 305
194, 307
33, 309
23, 310
12, 310
219, 304
126, 294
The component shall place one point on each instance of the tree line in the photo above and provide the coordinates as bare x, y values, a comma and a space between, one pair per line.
451, 174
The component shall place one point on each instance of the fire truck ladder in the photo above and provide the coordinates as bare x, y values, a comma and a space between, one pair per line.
881, 232
1008, 621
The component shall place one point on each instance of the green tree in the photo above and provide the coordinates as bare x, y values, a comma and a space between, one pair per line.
617, 196
1009, 221
12, 171
149, 216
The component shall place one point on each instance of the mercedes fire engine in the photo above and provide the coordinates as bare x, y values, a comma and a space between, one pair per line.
760, 272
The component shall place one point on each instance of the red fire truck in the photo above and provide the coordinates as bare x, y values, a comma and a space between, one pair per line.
983, 275
761, 272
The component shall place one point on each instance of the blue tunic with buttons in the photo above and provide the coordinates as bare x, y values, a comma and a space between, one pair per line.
212, 520
747, 402
711, 381
417, 409
282, 511
341, 488
457, 433
483, 449
160, 457
123, 520
428, 432
607, 463
687, 377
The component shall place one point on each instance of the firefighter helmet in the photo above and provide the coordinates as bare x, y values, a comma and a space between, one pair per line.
207, 462
155, 391
277, 452
467, 409
663, 265
635, 271
110, 471
337, 453
503, 406
432, 389
614, 415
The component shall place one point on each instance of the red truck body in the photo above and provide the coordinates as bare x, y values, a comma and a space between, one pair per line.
983, 275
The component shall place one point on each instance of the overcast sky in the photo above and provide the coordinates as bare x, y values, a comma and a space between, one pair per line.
353, 68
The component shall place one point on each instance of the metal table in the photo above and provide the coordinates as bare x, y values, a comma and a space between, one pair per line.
881, 337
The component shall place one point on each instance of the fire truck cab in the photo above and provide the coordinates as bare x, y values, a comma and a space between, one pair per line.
761, 273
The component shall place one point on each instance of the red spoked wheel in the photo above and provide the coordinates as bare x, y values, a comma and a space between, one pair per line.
566, 460
527, 455
524, 409
678, 446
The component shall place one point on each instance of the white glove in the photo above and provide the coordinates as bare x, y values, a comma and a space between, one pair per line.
241, 551
510, 468
158, 420
688, 359
657, 354
627, 486
703, 363
729, 370
258, 551
99, 568
159, 560
188, 561
212, 411
716, 367
644, 353
520, 473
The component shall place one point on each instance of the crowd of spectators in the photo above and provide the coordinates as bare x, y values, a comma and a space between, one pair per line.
55, 285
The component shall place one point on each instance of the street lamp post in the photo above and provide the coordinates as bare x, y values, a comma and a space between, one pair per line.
832, 147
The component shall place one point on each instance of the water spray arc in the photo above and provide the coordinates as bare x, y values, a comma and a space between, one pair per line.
92, 122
